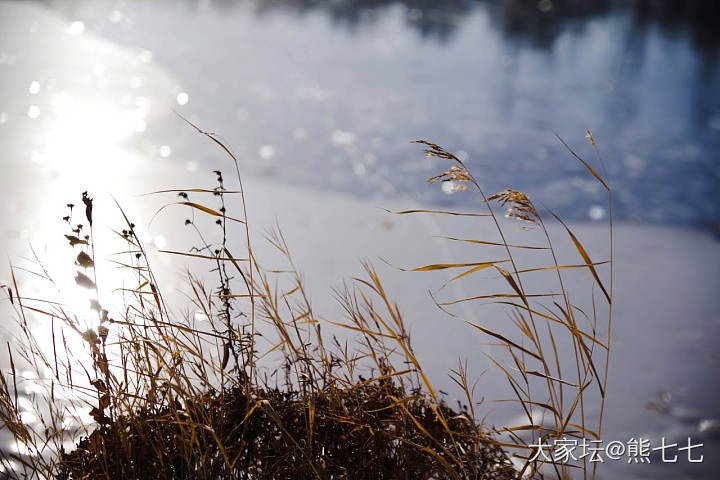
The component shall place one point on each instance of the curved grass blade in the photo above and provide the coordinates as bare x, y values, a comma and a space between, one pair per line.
497, 244
583, 253
441, 212
505, 340
587, 165
443, 266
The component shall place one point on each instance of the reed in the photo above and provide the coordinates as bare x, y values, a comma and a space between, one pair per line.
244, 384
554, 386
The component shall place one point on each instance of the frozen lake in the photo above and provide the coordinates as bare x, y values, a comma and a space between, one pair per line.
320, 100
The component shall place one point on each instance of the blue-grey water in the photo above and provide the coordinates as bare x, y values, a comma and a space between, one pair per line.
326, 96
329, 94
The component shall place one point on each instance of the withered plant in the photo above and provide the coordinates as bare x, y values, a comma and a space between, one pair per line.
243, 383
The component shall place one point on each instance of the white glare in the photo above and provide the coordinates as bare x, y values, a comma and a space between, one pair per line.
145, 56
448, 187
160, 242
76, 28
165, 151
266, 152
182, 98
61, 103
340, 137
28, 417
708, 424
596, 212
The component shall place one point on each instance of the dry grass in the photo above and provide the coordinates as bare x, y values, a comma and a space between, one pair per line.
193, 395
554, 386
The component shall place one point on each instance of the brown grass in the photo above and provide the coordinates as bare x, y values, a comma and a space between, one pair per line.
172, 397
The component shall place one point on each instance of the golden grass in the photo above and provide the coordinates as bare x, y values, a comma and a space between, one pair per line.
172, 397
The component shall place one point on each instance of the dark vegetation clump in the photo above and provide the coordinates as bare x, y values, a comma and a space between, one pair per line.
356, 434
244, 383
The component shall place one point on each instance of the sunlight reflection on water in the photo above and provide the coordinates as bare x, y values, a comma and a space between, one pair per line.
494, 80
72, 125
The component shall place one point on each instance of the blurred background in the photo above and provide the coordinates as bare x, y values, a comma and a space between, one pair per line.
320, 100
327, 94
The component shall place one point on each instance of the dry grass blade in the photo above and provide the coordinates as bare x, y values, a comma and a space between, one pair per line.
204, 209
193, 190
497, 244
206, 257
511, 281
470, 271
585, 256
444, 266
440, 212
498, 295
505, 340
587, 165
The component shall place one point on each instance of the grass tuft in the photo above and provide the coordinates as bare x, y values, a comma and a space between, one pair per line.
243, 383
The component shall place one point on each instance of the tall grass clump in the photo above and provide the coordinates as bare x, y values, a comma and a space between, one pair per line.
242, 382
556, 357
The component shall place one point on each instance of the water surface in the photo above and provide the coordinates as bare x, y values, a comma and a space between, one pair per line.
325, 96
328, 94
